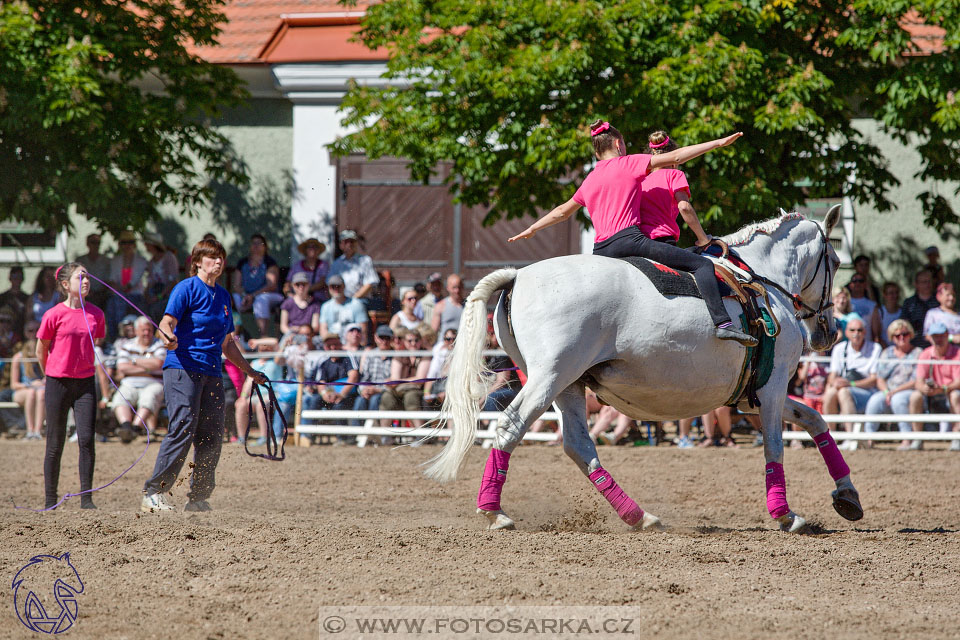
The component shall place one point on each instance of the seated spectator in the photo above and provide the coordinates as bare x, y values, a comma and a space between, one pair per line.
300, 308
355, 269
408, 394
506, 384
434, 391
98, 265
713, 421
861, 265
813, 379
430, 299
446, 313
407, 316
896, 378
256, 283
44, 296
374, 367
15, 299
853, 371
915, 307
886, 312
933, 265
862, 305
10, 343
339, 311
339, 375
606, 416
125, 331
945, 314
28, 383
140, 369
162, 273
937, 386
313, 267
127, 270
428, 337
841, 308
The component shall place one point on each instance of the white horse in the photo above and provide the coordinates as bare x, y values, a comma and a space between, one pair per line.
578, 321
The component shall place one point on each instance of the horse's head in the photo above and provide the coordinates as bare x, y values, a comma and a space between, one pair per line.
32, 586
793, 254
817, 274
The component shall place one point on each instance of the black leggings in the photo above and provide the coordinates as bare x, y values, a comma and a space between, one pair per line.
62, 394
632, 242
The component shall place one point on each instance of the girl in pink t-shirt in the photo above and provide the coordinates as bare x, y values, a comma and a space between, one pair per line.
65, 352
613, 195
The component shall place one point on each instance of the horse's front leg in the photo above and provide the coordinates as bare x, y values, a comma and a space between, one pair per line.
846, 500
771, 409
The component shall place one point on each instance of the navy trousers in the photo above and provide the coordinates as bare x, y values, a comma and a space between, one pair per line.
196, 410
633, 242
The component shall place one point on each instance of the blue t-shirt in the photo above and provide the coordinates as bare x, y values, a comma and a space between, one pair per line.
204, 318
253, 278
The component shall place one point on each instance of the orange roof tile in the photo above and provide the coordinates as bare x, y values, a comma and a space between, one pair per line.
251, 24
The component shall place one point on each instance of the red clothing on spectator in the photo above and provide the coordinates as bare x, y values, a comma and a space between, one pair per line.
942, 374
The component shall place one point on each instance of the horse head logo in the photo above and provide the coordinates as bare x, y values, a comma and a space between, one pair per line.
37, 577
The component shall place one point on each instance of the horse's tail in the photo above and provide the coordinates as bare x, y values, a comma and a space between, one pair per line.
468, 379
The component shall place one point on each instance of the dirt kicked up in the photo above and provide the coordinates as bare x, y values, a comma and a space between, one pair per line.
339, 526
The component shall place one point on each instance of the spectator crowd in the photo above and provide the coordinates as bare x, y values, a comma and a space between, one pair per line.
333, 326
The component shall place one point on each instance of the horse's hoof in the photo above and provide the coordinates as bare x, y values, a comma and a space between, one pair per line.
846, 502
792, 523
498, 520
649, 522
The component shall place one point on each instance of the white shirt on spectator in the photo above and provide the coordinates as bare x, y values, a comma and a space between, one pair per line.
356, 272
131, 349
845, 358
950, 320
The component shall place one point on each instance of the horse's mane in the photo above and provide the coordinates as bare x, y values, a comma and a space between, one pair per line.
745, 234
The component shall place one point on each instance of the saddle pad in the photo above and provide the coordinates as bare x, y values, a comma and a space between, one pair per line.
670, 282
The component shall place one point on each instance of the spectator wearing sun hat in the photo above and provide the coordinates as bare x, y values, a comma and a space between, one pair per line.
356, 270
312, 265
339, 311
937, 387
127, 270
163, 272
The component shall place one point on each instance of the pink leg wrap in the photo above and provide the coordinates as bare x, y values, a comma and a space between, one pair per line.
494, 475
836, 465
776, 490
626, 508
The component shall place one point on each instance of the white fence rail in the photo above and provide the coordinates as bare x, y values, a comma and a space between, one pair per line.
371, 428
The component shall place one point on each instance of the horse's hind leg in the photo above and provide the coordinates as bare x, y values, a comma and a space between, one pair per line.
580, 447
534, 398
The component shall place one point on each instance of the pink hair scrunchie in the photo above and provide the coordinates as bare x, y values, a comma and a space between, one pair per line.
661, 144
600, 129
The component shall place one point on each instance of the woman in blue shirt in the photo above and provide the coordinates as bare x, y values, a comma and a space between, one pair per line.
199, 322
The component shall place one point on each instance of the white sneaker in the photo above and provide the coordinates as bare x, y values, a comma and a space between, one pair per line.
955, 445
686, 443
73, 438
916, 445
155, 502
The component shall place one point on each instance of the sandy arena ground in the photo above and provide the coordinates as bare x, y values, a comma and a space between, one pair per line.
341, 525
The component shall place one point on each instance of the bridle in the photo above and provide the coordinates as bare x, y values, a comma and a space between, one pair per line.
803, 311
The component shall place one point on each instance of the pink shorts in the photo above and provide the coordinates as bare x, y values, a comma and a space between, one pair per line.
814, 403
237, 377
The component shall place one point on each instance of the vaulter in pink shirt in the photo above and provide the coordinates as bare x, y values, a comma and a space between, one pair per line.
620, 207
65, 351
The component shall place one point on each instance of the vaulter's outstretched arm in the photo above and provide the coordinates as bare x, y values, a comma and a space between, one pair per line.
685, 154
558, 214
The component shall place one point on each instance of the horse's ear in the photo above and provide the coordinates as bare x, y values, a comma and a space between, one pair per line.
832, 218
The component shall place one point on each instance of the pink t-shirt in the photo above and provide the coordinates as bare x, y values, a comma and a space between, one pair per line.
658, 204
71, 352
942, 374
611, 193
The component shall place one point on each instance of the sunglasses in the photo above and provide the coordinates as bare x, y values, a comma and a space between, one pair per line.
354, 329
855, 330
300, 284
901, 335
857, 281
449, 338
409, 298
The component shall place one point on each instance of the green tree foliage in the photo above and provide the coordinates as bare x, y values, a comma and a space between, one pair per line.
506, 89
103, 106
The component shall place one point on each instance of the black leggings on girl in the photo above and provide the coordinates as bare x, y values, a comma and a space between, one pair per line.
62, 394
633, 242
